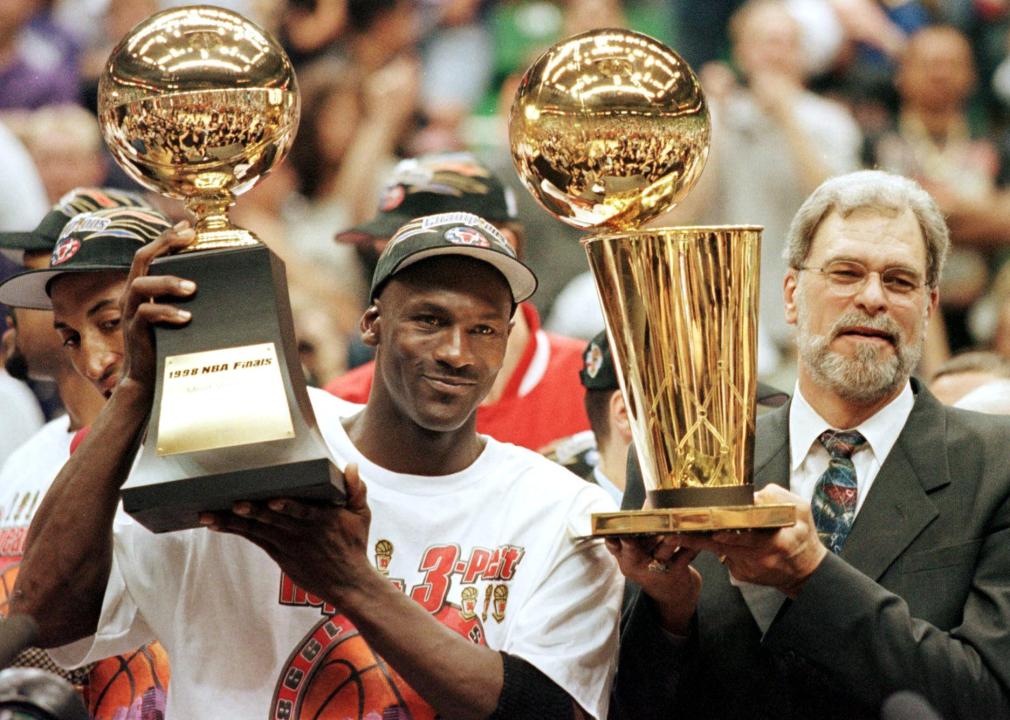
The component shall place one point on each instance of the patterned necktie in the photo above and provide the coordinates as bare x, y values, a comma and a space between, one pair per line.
834, 501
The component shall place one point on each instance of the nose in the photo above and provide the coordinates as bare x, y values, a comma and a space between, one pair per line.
454, 350
99, 359
871, 296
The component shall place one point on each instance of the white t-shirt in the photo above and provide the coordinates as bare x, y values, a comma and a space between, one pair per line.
20, 414
490, 551
24, 479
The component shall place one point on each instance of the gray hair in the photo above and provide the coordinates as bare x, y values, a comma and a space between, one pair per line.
875, 190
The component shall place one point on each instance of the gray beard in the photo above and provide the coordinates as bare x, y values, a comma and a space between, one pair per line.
872, 373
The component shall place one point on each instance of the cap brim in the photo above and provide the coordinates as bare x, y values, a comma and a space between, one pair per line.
520, 278
383, 225
28, 289
23, 241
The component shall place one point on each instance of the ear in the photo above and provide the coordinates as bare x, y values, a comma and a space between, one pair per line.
790, 287
370, 325
620, 423
934, 302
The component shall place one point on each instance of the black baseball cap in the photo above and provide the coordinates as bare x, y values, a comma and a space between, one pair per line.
452, 233
598, 371
90, 242
430, 184
77, 201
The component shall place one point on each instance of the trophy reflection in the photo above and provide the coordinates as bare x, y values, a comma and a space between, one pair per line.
608, 130
198, 103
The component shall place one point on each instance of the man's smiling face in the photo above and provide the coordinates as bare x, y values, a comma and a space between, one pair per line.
441, 328
861, 342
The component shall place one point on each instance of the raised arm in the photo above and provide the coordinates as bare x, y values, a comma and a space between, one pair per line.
68, 551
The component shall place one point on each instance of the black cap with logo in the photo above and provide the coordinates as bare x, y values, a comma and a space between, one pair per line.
90, 242
433, 184
453, 233
77, 201
598, 371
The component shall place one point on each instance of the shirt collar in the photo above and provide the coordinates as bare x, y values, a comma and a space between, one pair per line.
881, 430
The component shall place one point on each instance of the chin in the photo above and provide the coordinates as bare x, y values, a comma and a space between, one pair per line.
442, 422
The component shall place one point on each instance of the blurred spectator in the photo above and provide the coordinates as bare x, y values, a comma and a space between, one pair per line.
309, 28
66, 145
38, 64
325, 302
996, 305
458, 59
117, 19
773, 142
965, 372
23, 200
966, 171
346, 146
381, 30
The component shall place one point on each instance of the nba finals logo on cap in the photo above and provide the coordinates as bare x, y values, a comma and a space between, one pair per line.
69, 243
64, 250
466, 236
594, 360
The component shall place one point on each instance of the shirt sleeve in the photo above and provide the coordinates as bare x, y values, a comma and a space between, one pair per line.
569, 624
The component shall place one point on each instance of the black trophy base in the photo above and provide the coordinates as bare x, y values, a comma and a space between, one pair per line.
231, 418
177, 505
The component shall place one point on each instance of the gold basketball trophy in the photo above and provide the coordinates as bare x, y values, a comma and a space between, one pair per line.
198, 103
608, 130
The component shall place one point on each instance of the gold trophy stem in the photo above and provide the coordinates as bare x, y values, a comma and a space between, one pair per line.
681, 311
214, 231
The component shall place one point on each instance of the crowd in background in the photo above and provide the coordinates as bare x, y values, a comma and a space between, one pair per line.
799, 90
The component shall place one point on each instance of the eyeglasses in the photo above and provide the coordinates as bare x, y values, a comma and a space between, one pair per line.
848, 277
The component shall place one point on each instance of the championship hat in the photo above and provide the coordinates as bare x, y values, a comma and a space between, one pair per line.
77, 201
89, 242
598, 371
430, 184
452, 233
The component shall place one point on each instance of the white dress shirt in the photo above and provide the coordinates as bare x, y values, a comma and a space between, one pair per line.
808, 461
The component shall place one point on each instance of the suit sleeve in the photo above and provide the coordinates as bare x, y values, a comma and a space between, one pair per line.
865, 636
651, 663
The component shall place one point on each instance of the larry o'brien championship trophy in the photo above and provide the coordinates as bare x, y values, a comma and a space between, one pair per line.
198, 103
608, 130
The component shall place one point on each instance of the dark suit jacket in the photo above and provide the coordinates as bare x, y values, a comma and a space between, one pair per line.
919, 599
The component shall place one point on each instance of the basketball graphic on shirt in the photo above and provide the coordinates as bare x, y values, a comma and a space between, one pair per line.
7, 577
335, 675
136, 683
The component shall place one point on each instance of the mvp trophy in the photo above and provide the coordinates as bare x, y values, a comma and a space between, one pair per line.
608, 130
198, 103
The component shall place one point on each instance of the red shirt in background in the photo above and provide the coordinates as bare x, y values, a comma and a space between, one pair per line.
542, 402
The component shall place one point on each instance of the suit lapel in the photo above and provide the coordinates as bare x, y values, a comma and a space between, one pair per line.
898, 506
771, 449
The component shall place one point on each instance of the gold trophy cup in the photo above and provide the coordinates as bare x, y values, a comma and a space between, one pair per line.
198, 103
609, 129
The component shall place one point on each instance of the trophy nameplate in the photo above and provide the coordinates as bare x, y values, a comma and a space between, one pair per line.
206, 403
